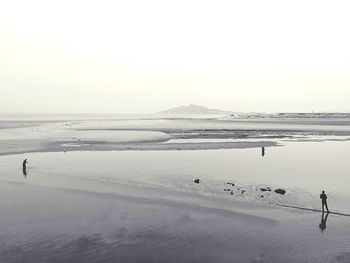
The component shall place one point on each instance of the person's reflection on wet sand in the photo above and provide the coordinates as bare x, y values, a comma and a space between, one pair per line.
24, 172
323, 224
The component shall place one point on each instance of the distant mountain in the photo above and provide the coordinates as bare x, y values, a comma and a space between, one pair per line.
193, 109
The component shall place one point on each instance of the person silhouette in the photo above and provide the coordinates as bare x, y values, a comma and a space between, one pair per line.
323, 197
323, 224
263, 151
24, 164
24, 168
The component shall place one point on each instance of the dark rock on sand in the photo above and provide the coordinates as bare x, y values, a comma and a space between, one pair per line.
196, 181
280, 191
265, 189
231, 183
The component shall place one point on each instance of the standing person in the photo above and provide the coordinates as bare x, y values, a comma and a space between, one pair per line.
263, 151
323, 197
24, 164
24, 167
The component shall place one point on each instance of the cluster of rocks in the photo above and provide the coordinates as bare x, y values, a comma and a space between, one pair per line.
261, 189
279, 191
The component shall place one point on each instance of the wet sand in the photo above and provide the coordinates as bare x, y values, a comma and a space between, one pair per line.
64, 211
44, 224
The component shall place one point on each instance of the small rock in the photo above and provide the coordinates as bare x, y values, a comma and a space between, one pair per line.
227, 190
262, 196
280, 191
196, 181
231, 183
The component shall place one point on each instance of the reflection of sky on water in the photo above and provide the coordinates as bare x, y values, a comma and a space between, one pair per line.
270, 138
308, 166
46, 224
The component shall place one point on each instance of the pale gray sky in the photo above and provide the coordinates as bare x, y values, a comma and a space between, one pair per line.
145, 56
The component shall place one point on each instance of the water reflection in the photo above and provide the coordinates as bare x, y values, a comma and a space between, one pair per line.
323, 224
25, 172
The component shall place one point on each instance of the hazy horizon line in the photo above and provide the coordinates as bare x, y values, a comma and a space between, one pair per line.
161, 112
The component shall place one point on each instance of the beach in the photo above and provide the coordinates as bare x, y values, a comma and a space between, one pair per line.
123, 191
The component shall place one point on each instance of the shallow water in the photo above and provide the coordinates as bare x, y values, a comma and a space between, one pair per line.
302, 168
158, 133
143, 206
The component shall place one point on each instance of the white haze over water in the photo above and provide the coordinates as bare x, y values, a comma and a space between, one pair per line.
147, 56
